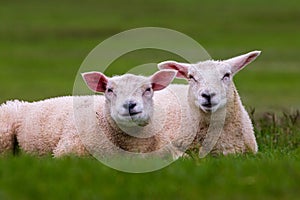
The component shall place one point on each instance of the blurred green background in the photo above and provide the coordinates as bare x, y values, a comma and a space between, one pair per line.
43, 43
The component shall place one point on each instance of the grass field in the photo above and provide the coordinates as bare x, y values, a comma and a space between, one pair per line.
271, 174
43, 43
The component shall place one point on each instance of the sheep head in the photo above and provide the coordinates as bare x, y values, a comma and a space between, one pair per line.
211, 85
129, 97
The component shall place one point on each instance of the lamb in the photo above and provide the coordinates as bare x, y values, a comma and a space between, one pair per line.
128, 118
131, 127
224, 124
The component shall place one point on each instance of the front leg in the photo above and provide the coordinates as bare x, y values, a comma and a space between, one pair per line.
70, 144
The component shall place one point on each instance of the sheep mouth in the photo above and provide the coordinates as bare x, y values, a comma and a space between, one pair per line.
132, 119
208, 106
130, 114
134, 113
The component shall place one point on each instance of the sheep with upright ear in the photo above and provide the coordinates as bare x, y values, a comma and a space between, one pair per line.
129, 117
212, 91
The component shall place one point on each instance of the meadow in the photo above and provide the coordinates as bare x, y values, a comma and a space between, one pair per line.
43, 43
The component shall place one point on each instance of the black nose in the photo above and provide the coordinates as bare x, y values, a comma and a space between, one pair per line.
129, 105
208, 95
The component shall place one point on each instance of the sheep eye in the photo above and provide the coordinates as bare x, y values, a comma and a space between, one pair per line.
190, 77
109, 90
147, 91
226, 76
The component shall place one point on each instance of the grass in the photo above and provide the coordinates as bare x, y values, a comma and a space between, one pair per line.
43, 43
271, 174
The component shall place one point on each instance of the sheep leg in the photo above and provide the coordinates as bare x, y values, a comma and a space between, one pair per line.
70, 145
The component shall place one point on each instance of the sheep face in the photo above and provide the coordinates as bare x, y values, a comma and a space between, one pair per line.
129, 97
211, 85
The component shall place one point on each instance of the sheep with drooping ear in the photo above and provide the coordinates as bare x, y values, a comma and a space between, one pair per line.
71, 125
129, 97
136, 113
212, 93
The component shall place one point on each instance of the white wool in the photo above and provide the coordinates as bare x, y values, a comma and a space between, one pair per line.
82, 125
213, 98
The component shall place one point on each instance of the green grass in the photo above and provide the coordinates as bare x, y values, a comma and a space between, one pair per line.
246, 177
43, 43
271, 174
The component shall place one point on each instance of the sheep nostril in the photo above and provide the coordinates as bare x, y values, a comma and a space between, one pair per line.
207, 96
129, 105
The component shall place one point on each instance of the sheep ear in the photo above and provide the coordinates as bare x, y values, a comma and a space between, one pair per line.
181, 68
239, 62
162, 79
96, 81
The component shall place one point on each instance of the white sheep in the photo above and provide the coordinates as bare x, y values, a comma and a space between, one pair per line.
129, 118
213, 96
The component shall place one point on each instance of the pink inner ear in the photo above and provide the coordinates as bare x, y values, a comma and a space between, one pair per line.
157, 86
182, 70
239, 62
162, 79
250, 58
96, 81
181, 74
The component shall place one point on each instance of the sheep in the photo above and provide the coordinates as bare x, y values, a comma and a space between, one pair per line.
224, 124
134, 122
127, 118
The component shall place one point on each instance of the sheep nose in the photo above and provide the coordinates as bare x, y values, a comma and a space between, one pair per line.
129, 105
206, 95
